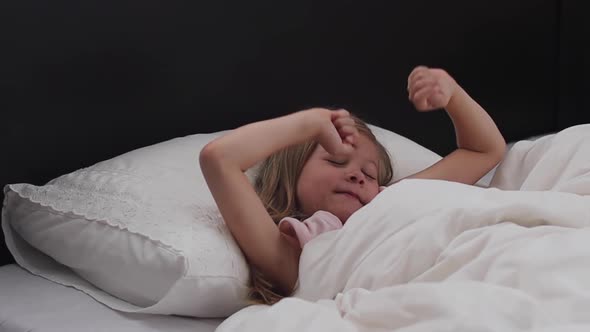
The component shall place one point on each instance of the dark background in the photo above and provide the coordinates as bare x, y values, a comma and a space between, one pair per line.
83, 81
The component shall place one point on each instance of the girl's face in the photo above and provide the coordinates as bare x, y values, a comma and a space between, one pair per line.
339, 184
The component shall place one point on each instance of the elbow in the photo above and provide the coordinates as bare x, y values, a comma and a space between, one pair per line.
221, 154
499, 151
210, 156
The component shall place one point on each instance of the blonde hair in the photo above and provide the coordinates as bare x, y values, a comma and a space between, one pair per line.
276, 185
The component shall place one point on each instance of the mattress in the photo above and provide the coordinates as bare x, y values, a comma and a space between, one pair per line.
31, 303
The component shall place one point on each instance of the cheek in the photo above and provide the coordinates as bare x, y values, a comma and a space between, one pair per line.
307, 197
311, 189
304, 190
373, 192
300, 189
314, 174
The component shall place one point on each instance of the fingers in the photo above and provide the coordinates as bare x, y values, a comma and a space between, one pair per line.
336, 143
420, 99
346, 128
416, 74
345, 120
342, 134
340, 113
417, 71
429, 99
420, 78
425, 89
421, 87
421, 84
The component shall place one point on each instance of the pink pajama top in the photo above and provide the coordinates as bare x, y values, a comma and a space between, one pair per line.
320, 222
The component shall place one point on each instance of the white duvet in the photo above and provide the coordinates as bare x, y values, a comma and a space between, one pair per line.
431, 255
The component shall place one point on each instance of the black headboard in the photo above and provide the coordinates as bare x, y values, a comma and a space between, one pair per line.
574, 64
83, 81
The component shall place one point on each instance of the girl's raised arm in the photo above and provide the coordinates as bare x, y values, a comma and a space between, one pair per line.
480, 145
223, 162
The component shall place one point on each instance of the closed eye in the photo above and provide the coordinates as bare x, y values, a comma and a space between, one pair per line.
336, 162
370, 176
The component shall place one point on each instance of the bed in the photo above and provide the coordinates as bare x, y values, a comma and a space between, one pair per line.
31, 303
85, 82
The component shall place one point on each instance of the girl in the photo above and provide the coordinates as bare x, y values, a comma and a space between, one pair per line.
327, 162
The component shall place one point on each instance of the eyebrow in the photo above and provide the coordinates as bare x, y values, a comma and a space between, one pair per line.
371, 161
374, 164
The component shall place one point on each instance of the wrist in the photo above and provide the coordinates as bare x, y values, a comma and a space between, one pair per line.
457, 97
308, 123
313, 121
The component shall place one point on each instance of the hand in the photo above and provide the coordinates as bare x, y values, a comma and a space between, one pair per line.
336, 131
430, 88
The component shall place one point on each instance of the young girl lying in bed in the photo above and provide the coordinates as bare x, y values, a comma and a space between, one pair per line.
321, 166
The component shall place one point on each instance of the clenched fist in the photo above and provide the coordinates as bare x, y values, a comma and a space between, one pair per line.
430, 88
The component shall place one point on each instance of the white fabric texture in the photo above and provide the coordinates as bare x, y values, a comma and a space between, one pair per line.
430, 255
407, 157
142, 232
141, 227
31, 303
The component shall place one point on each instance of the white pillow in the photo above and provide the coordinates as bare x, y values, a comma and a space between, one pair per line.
141, 232
407, 156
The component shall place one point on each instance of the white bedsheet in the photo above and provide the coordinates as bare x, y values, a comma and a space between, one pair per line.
430, 255
31, 303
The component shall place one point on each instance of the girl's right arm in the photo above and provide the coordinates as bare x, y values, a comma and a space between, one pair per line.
224, 161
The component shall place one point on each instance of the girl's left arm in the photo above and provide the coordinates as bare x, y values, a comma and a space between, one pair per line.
480, 145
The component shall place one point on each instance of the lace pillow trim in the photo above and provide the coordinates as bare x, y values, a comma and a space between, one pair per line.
120, 210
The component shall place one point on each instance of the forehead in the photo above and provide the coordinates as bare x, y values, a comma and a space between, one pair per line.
363, 148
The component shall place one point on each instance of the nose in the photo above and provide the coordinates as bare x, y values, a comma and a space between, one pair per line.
356, 176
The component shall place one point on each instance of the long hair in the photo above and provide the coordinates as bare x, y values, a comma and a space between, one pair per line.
276, 185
